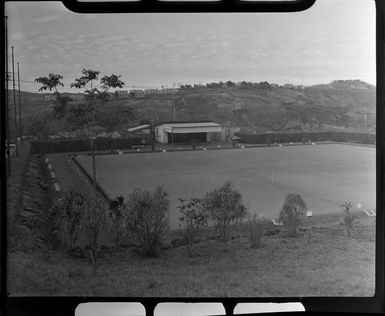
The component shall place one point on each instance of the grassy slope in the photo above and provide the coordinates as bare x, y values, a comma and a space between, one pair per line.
218, 104
329, 264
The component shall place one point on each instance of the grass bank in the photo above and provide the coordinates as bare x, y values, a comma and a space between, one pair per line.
321, 261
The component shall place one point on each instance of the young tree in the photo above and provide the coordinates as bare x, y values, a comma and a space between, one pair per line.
292, 212
257, 227
73, 206
348, 217
194, 217
147, 218
118, 217
94, 218
94, 96
89, 76
225, 207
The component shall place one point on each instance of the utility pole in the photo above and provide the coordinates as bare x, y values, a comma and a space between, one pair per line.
7, 98
14, 104
365, 117
20, 126
173, 110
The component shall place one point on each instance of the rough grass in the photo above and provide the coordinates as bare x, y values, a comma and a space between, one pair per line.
329, 264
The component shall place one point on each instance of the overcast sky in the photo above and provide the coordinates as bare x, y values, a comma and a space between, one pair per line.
334, 39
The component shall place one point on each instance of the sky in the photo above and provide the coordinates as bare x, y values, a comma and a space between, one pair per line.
332, 40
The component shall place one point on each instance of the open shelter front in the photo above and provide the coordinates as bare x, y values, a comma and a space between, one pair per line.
186, 132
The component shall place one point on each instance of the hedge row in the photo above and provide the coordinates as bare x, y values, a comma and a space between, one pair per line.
73, 145
298, 137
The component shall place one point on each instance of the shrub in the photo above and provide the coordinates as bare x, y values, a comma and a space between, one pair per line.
147, 218
348, 218
257, 227
73, 204
194, 218
117, 219
292, 212
93, 221
225, 207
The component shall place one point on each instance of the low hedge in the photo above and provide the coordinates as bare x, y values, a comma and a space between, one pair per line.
298, 137
73, 145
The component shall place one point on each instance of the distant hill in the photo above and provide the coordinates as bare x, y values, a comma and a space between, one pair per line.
261, 108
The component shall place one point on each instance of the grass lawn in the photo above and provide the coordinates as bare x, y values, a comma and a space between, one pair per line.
327, 264
321, 261
325, 175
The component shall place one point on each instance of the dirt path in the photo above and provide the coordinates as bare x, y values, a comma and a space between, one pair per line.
68, 175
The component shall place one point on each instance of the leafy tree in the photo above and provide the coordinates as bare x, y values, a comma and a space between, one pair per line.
194, 217
292, 212
225, 207
147, 218
245, 85
89, 76
50, 82
230, 83
264, 85
53, 82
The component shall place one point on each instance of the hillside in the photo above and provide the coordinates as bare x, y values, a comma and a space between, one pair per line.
260, 108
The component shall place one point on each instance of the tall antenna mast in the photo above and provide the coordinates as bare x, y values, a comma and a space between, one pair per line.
20, 126
7, 98
14, 104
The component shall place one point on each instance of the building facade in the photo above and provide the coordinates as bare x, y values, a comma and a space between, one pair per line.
186, 132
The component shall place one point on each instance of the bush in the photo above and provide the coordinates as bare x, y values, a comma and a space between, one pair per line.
225, 207
73, 204
348, 218
93, 221
292, 212
298, 137
257, 227
117, 219
74, 144
147, 218
194, 218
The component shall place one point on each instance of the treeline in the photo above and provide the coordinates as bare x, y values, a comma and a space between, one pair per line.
263, 85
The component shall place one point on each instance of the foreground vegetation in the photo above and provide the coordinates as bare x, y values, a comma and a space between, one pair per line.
221, 249
328, 263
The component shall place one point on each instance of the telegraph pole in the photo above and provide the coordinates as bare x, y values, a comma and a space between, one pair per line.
365, 117
14, 104
20, 126
173, 110
7, 98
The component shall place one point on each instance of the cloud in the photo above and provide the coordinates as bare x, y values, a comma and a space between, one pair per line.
49, 18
